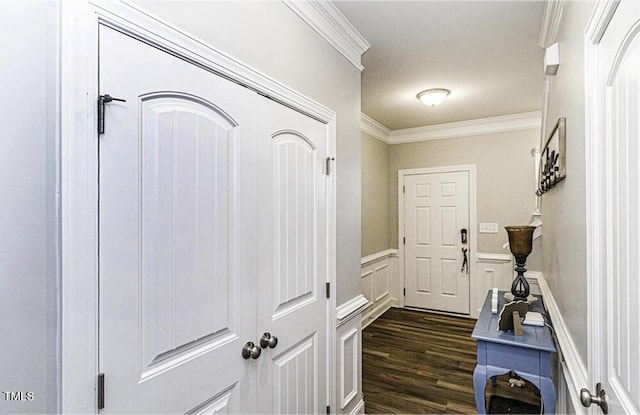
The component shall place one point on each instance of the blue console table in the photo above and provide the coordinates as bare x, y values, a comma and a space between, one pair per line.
499, 352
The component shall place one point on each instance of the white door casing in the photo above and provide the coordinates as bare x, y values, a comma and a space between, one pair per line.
613, 106
184, 281
292, 267
436, 207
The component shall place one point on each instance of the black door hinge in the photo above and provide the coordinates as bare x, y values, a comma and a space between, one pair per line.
327, 287
328, 165
102, 100
404, 292
100, 390
402, 188
404, 240
328, 409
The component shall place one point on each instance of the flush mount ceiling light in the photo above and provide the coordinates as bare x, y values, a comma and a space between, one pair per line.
433, 97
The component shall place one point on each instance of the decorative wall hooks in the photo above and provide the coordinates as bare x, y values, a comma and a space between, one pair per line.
552, 159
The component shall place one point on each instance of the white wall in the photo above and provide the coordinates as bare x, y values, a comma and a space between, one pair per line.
375, 195
28, 219
269, 37
505, 177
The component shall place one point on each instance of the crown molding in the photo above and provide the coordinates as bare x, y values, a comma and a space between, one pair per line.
468, 128
372, 127
600, 18
550, 23
491, 125
325, 18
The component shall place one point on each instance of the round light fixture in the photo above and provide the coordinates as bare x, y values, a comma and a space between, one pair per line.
433, 97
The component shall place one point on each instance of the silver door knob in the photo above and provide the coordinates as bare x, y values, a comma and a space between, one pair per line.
250, 350
600, 398
267, 340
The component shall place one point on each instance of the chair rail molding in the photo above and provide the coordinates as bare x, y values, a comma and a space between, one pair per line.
366, 260
484, 257
350, 309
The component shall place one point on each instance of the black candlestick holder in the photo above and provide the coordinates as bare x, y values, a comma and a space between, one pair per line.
520, 243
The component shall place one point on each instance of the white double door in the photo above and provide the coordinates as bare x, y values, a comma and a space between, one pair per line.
212, 231
436, 210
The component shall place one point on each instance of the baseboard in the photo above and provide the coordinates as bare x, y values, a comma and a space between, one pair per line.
574, 370
359, 408
371, 316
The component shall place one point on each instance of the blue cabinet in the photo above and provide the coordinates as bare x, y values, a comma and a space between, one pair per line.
499, 352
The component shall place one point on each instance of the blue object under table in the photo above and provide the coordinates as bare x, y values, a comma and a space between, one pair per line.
499, 352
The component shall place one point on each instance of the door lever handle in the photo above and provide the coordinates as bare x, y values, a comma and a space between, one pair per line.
465, 261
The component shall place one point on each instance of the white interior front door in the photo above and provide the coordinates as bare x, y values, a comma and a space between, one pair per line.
292, 265
436, 209
616, 315
213, 230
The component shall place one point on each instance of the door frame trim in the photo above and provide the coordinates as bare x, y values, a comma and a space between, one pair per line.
79, 20
473, 240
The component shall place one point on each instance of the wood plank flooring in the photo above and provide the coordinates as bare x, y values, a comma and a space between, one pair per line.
416, 362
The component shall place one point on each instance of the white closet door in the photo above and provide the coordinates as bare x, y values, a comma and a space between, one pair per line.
616, 365
177, 234
292, 265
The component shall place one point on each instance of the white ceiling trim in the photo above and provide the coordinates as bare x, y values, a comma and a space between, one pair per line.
372, 127
468, 128
325, 18
550, 23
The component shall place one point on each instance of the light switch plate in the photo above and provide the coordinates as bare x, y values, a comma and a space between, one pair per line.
488, 228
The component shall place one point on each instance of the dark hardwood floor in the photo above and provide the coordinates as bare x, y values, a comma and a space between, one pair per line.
416, 362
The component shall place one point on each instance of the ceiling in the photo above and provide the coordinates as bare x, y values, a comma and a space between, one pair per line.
485, 53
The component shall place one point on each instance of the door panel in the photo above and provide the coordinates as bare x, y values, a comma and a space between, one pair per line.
436, 209
226, 402
295, 375
294, 201
175, 218
185, 280
292, 266
619, 81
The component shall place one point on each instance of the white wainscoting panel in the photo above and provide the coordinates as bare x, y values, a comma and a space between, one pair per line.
571, 369
349, 382
349, 357
492, 271
379, 283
